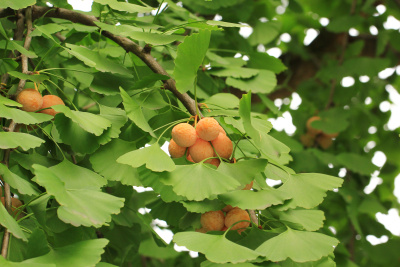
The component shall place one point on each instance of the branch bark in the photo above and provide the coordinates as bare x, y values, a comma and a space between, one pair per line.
125, 43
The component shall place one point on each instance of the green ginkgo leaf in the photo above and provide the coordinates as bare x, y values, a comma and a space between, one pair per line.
135, 113
23, 140
16, 4
216, 248
213, 264
104, 161
79, 254
20, 116
198, 181
23, 186
235, 72
264, 82
311, 220
308, 189
37, 78
203, 206
125, 7
5, 263
299, 246
90, 122
243, 171
86, 207
8, 102
190, 56
8, 222
116, 116
152, 156
248, 199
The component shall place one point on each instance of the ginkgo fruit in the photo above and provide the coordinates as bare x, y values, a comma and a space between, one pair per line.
223, 146
215, 162
49, 101
307, 140
221, 130
175, 150
324, 141
201, 150
184, 134
213, 220
30, 99
312, 131
236, 215
227, 208
248, 186
208, 128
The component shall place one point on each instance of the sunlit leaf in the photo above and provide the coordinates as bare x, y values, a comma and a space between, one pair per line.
8, 222
243, 171
311, 220
264, 82
16, 182
16, 4
5, 263
85, 206
216, 248
298, 245
20, 116
189, 58
37, 78
8, 102
152, 156
23, 140
125, 7
308, 189
80, 254
198, 181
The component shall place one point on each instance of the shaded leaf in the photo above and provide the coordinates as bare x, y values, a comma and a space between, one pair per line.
243, 171
16, 182
125, 7
298, 245
216, 248
152, 156
203, 206
357, 163
264, 82
104, 161
23, 140
8, 222
311, 220
6, 65
189, 58
234, 72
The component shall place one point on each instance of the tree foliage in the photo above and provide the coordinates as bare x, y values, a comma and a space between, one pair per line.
129, 71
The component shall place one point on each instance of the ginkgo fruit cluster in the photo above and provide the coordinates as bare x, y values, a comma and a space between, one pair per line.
207, 141
219, 220
32, 101
324, 140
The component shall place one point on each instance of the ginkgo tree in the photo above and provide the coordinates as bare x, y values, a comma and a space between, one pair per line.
128, 72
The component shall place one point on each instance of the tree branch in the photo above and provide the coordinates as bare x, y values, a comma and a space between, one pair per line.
125, 43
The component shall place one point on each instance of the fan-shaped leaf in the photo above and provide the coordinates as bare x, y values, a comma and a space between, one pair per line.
264, 82
5, 263
198, 181
90, 122
189, 58
80, 254
235, 72
216, 248
247, 199
16, 4
78, 206
16, 182
23, 117
104, 161
8, 222
308, 189
125, 7
8, 102
243, 171
311, 220
298, 245
37, 78
23, 140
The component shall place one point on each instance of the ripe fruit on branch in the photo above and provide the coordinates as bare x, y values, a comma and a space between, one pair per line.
312, 131
184, 134
175, 150
235, 215
201, 150
48, 101
324, 141
215, 162
208, 128
223, 146
227, 208
213, 220
30, 99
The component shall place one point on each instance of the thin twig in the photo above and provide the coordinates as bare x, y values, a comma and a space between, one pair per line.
7, 196
27, 44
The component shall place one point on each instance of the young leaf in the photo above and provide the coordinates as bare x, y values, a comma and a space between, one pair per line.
23, 140
80, 254
190, 56
23, 186
216, 248
198, 182
8, 222
308, 189
85, 207
298, 245
22, 117
104, 161
153, 156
